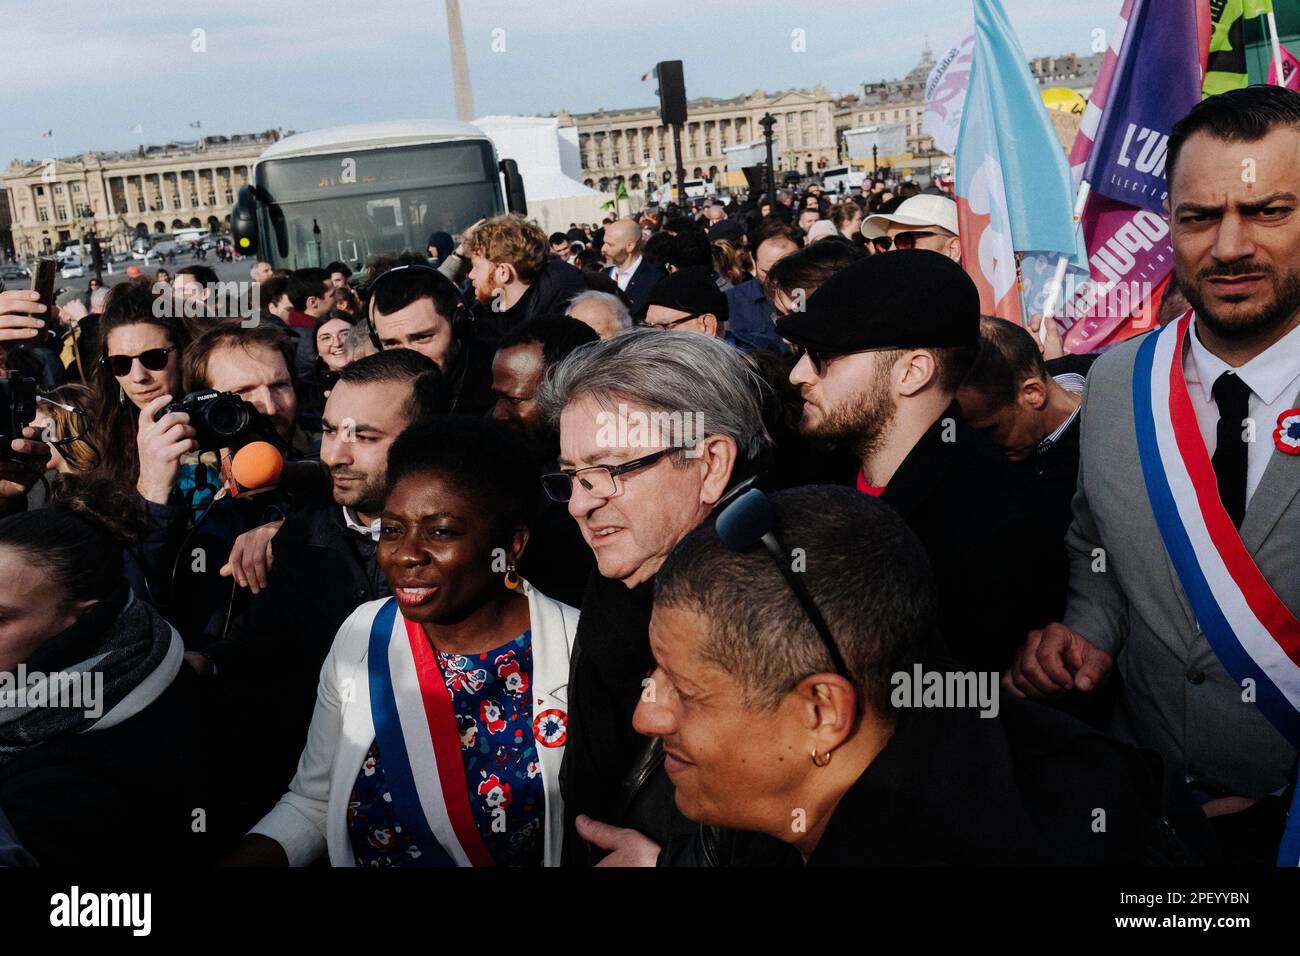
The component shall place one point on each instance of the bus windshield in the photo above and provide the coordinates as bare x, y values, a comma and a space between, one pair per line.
352, 206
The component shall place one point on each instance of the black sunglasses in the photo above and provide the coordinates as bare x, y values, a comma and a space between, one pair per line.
821, 359
155, 360
904, 240
751, 519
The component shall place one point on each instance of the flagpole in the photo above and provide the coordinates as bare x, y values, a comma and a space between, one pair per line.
1277, 46
1058, 280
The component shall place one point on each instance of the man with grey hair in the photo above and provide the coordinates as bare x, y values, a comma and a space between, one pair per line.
656, 431
603, 311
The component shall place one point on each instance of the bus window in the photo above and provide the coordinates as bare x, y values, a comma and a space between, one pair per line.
374, 202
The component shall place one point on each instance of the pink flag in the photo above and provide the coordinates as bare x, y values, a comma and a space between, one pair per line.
1129, 250
1290, 72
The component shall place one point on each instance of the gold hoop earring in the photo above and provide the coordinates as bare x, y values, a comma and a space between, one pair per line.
511, 578
820, 763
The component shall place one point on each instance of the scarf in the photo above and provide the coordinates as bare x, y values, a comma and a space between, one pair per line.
118, 645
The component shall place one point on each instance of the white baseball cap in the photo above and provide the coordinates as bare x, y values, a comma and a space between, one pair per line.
923, 210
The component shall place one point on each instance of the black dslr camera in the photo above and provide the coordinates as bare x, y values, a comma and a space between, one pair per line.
17, 409
220, 419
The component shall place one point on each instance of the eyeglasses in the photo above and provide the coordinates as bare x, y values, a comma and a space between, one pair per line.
750, 520
155, 360
904, 240
598, 480
673, 324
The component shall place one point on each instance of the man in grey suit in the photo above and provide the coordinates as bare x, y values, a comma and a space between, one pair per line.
1234, 197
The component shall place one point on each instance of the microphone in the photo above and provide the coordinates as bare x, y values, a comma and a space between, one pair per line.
259, 466
256, 465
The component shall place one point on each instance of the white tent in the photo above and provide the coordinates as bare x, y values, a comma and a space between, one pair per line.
549, 162
890, 140
746, 154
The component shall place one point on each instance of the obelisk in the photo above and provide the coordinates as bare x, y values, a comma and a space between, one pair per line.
459, 63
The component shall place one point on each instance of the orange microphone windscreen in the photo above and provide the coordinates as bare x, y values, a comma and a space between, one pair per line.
256, 465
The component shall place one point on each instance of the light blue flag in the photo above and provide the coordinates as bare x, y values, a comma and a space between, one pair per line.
1039, 192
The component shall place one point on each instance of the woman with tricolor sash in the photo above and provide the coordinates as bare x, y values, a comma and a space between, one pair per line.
441, 713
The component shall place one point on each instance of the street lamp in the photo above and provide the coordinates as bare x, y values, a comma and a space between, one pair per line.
96, 254
767, 122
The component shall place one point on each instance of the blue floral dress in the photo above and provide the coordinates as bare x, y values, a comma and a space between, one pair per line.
491, 698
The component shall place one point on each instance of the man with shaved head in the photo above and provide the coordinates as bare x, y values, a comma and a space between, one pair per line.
634, 275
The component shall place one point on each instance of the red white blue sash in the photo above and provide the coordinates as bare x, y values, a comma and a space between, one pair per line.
418, 741
1253, 633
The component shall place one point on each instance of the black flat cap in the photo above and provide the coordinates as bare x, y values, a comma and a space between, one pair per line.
909, 298
693, 290
727, 229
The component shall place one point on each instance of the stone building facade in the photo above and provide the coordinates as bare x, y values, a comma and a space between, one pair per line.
635, 145
118, 196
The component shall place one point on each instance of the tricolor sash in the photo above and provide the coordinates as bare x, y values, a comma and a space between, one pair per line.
415, 727
1252, 632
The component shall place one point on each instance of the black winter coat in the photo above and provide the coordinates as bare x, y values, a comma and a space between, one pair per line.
953, 788
268, 665
119, 797
998, 572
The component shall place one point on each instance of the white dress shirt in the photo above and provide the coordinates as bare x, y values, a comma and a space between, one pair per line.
350, 519
1071, 382
1274, 378
623, 274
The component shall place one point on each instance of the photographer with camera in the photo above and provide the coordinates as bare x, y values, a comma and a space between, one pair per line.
137, 364
239, 391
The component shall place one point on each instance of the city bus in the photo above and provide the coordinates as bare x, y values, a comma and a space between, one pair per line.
351, 192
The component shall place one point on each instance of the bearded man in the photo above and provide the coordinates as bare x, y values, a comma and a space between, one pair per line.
884, 344
514, 279
1189, 487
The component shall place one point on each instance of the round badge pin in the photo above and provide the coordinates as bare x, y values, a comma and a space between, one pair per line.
1287, 434
551, 728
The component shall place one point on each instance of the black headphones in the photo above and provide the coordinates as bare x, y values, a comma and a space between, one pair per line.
462, 319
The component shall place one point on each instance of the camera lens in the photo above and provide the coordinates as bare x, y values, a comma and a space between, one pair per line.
227, 416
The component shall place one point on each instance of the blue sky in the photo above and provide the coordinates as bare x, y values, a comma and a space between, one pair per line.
92, 70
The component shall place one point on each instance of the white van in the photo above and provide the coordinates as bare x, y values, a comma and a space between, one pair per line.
839, 179
193, 235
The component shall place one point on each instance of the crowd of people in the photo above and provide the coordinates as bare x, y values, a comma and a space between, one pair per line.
720, 536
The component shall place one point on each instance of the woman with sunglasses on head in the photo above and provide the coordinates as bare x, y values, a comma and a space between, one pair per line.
441, 714
137, 374
63, 422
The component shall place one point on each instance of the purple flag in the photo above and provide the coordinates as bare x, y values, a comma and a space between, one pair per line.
1157, 80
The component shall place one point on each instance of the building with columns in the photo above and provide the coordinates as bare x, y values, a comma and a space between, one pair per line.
903, 101
634, 145
118, 196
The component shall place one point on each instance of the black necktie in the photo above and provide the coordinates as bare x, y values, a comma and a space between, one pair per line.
1232, 395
